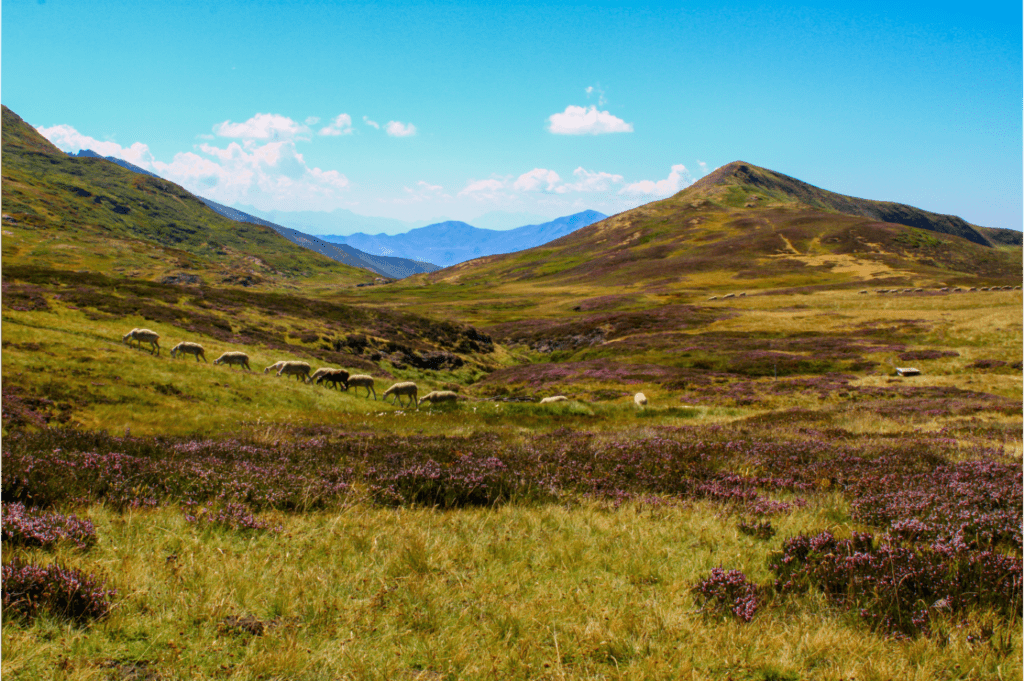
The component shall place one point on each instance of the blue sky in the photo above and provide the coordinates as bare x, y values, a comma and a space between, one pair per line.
420, 110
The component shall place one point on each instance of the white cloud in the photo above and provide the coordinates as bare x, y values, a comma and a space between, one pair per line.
312, 120
341, 125
261, 127
580, 120
703, 167
538, 180
397, 129
677, 179
372, 124
66, 138
589, 181
488, 190
426, 186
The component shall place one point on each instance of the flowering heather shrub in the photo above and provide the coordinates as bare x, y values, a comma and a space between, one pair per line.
32, 527
987, 364
468, 480
724, 592
977, 501
898, 588
64, 592
232, 516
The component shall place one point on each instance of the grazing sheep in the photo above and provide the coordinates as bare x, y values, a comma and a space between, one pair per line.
864, 291
186, 348
143, 336
958, 290
362, 381
229, 358
728, 295
972, 289
743, 295
640, 399
300, 370
407, 388
273, 367
556, 398
324, 371
713, 298
907, 371
334, 376
439, 396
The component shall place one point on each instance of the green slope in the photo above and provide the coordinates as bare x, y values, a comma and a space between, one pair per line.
88, 213
748, 227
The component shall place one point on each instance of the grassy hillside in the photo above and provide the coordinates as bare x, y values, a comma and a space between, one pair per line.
89, 214
745, 524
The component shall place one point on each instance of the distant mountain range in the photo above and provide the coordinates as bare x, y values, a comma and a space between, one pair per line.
400, 255
453, 242
394, 268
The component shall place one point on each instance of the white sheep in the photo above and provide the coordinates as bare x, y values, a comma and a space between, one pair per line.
333, 376
229, 358
273, 367
362, 381
407, 388
300, 370
143, 336
186, 348
640, 399
439, 396
556, 398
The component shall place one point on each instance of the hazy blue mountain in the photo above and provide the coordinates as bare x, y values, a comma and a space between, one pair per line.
394, 268
452, 242
502, 220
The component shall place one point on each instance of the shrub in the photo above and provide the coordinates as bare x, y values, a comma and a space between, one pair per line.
63, 592
727, 592
32, 527
898, 588
231, 516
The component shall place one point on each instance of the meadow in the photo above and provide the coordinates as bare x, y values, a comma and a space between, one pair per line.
785, 507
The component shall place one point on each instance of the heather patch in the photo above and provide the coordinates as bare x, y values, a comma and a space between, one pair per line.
729, 593
33, 527
898, 588
63, 592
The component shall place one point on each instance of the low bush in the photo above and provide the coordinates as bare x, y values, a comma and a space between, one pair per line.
898, 588
63, 592
32, 527
727, 592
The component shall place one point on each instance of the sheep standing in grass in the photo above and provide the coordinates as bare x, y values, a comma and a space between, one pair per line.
186, 348
407, 388
556, 398
300, 370
362, 381
334, 377
143, 336
237, 358
640, 399
273, 367
322, 371
439, 397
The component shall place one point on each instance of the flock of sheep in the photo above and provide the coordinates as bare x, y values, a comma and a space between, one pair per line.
301, 371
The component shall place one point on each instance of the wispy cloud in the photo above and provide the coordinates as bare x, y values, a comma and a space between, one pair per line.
66, 138
262, 127
548, 181
341, 125
398, 129
537, 180
581, 120
486, 190
677, 179
590, 181
373, 124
